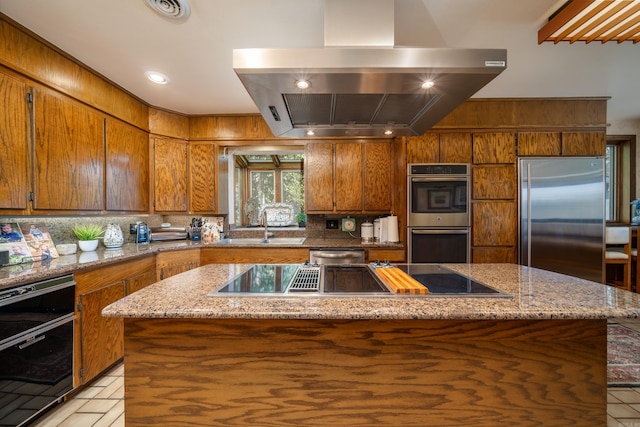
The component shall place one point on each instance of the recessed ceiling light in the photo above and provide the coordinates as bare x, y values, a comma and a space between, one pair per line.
428, 84
388, 132
303, 84
156, 77
310, 132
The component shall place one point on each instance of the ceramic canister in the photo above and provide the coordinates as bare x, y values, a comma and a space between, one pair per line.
366, 231
113, 237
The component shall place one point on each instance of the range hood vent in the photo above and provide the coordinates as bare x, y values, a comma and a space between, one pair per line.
362, 91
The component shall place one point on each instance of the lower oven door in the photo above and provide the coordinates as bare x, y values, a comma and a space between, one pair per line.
429, 245
36, 371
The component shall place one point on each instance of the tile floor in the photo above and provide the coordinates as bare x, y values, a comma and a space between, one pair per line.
102, 403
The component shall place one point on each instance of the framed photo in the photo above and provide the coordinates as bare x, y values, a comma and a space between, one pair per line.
39, 241
440, 199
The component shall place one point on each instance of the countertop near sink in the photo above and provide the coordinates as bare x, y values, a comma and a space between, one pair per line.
538, 294
40, 270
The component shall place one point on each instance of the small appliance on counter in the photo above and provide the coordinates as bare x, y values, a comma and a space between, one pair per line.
168, 233
366, 232
142, 233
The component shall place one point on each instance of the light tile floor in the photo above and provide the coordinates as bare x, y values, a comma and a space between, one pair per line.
102, 403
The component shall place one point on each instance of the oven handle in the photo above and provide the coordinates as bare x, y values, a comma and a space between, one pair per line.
25, 337
443, 179
439, 231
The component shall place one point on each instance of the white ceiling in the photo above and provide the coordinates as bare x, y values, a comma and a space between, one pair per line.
122, 39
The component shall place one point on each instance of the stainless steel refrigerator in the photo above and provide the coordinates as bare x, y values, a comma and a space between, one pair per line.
562, 219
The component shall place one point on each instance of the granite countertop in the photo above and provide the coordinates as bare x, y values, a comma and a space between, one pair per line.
40, 270
537, 294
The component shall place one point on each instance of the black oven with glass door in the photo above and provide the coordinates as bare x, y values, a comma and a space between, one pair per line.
36, 347
438, 214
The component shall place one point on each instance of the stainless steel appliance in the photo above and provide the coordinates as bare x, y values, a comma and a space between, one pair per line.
561, 208
438, 214
36, 347
360, 84
336, 256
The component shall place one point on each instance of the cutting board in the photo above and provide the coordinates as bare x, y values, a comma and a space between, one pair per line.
400, 282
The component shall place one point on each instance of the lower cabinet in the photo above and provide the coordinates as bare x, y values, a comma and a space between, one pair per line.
254, 255
171, 263
99, 340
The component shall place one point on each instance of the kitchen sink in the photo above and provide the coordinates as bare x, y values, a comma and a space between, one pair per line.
261, 241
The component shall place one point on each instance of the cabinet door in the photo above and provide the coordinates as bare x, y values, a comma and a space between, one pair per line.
69, 155
495, 223
318, 177
14, 144
494, 147
423, 149
102, 337
348, 177
377, 176
203, 190
539, 144
127, 168
170, 177
584, 143
494, 182
455, 148
171, 263
139, 281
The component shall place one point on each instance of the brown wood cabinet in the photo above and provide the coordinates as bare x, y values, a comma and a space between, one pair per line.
171, 263
382, 254
539, 144
253, 255
439, 148
99, 340
203, 179
494, 147
584, 143
494, 182
318, 177
127, 168
69, 155
348, 177
14, 145
170, 174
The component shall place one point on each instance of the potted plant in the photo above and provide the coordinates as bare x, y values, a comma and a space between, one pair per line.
301, 219
87, 235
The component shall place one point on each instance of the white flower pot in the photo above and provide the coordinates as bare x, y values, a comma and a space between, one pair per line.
88, 245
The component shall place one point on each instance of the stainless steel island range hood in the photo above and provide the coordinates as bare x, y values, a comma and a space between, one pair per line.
366, 90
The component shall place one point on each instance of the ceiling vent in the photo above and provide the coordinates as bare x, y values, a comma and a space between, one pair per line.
173, 9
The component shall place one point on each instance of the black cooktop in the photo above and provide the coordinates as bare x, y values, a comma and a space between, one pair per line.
276, 279
441, 280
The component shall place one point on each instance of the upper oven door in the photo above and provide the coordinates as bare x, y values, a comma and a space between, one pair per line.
438, 201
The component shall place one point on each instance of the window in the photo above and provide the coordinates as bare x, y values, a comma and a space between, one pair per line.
267, 176
620, 176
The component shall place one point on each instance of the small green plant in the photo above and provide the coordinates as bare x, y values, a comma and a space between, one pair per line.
301, 217
87, 231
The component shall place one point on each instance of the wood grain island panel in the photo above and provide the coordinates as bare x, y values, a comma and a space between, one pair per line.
283, 372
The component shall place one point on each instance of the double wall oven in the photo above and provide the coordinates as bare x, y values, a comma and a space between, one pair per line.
36, 347
438, 216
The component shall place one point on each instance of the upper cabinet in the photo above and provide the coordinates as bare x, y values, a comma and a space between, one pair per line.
14, 145
127, 167
439, 148
348, 177
203, 174
69, 155
170, 174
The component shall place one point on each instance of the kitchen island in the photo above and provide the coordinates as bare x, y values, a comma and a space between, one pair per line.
538, 358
